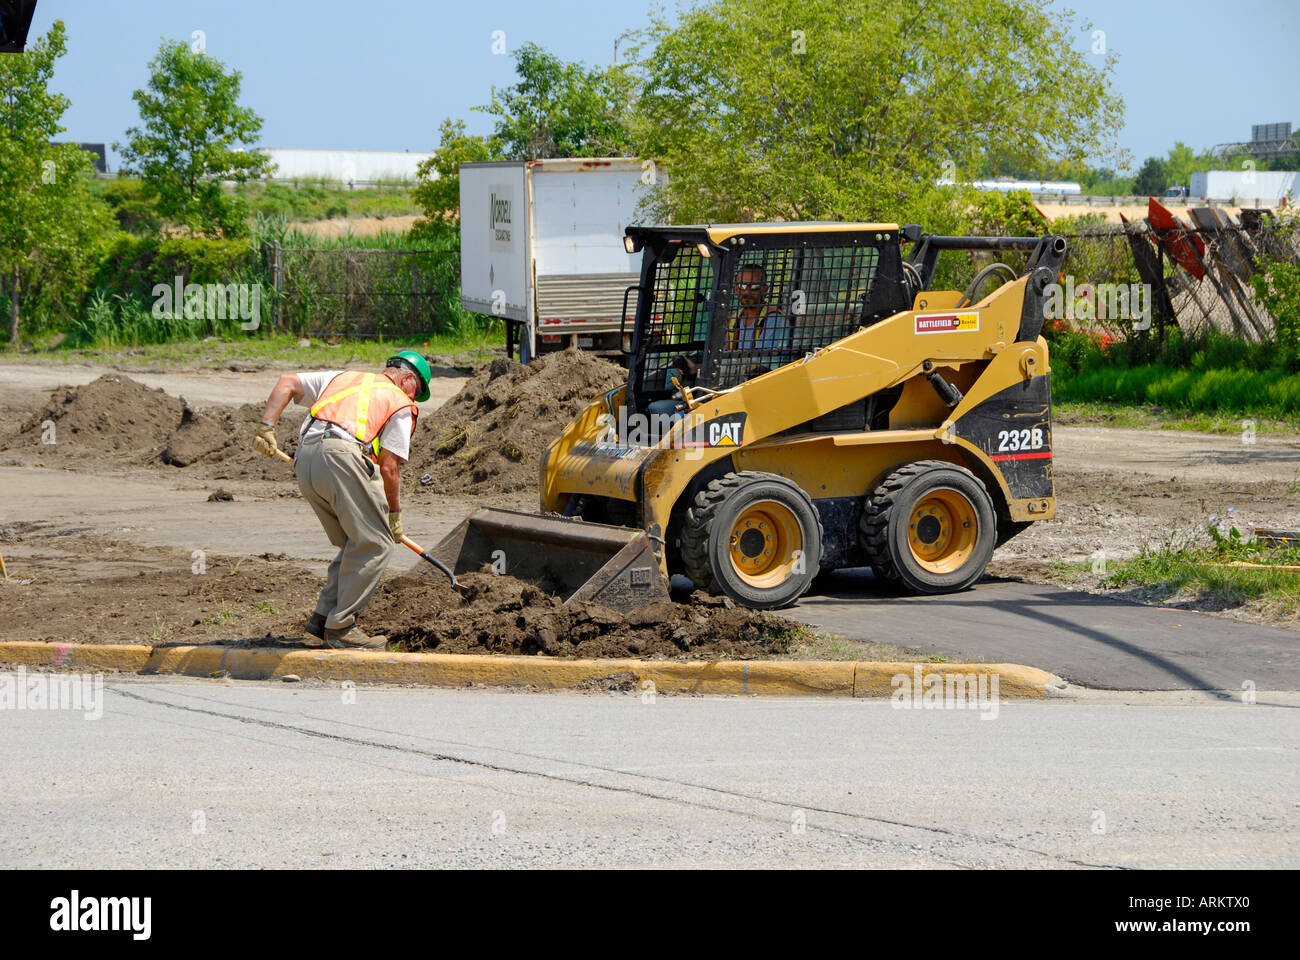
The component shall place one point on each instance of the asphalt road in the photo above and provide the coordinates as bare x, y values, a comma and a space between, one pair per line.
1095, 641
198, 773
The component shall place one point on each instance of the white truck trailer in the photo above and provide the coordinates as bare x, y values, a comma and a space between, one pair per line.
1251, 188
541, 245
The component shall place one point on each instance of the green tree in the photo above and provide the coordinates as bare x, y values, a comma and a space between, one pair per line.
135, 212
1010, 214
556, 109
560, 109
51, 223
437, 187
808, 109
191, 138
1153, 179
1180, 164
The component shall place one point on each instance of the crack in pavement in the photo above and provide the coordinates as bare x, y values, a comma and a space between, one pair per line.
576, 781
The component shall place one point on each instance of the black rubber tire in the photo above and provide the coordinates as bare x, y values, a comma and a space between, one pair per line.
883, 527
706, 530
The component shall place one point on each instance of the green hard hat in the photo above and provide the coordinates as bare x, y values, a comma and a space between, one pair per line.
421, 367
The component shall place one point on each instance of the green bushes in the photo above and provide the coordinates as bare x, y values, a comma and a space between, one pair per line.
120, 309
1073, 351
1076, 351
1278, 288
135, 211
134, 265
119, 301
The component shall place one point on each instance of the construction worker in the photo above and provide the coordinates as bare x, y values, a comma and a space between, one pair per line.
349, 462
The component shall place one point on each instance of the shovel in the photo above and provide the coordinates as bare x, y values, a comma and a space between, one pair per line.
410, 544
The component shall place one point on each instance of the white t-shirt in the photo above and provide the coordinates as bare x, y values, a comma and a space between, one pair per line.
395, 437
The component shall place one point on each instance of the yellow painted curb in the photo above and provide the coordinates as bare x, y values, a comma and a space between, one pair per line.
123, 657
795, 678
916, 679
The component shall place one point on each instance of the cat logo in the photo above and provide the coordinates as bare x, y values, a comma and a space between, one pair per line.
723, 434
727, 430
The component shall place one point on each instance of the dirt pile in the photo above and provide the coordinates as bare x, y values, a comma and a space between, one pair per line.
117, 420
503, 615
487, 439
74, 586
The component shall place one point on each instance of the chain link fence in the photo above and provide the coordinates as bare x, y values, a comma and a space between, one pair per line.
1193, 276
1189, 277
358, 292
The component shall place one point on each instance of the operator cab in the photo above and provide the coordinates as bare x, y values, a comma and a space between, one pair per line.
741, 300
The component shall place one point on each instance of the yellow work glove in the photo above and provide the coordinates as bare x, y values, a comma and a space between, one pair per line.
264, 443
395, 524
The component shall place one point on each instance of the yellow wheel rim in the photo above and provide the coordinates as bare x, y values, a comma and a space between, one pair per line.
766, 544
942, 530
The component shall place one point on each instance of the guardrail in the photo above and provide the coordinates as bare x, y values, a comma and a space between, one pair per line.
404, 184
1075, 199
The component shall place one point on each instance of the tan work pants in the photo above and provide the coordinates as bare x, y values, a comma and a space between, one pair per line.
347, 493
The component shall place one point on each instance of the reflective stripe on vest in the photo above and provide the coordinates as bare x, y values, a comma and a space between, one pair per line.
362, 404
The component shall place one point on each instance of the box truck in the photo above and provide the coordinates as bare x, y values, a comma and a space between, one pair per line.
541, 246
1246, 187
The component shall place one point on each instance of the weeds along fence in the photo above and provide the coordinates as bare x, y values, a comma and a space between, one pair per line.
364, 292
1193, 279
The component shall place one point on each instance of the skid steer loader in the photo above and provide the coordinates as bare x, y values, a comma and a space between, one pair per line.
842, 414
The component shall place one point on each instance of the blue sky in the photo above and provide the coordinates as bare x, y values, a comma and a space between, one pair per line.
382, 74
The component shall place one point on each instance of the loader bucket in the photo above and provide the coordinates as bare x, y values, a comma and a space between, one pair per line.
574, 559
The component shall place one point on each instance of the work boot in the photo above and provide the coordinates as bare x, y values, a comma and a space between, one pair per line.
313, 634
351, 638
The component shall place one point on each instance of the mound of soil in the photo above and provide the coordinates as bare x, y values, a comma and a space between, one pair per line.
74, 586
118, 420
487, 439
503, 615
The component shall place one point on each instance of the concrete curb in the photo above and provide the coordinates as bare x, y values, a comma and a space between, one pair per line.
792, 678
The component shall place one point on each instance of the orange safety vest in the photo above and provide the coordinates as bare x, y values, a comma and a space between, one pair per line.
362, 403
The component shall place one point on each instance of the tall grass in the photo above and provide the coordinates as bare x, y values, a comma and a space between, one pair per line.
324, 200
272, 228
117, 321
1271, 393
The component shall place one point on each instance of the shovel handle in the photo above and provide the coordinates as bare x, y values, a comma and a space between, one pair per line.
407, 541
426, 555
